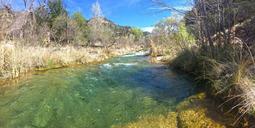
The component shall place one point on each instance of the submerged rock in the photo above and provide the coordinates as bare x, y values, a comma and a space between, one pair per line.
168, 121
195, 112
197, 119
200, 112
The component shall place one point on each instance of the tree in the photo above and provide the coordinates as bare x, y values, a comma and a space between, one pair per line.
79, 19
96, 10
166, 27
56, 9
171, 35
5, 3
138, 33
81, 28
183, 38
28, 4
164, 31
101, 33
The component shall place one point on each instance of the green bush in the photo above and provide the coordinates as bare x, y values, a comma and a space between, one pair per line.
138, 33
81, 29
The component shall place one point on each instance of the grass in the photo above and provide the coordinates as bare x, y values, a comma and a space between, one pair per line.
163, 53
16, 59
226, 74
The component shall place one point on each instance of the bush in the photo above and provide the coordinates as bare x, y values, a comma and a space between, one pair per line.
226, 76
81, 29
138, 33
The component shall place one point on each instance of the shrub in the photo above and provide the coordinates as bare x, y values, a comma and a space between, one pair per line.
138, 33
225, 76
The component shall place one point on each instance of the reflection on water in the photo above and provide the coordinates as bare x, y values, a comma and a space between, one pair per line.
120, 91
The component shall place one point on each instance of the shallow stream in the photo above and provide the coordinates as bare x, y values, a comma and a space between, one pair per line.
118, 91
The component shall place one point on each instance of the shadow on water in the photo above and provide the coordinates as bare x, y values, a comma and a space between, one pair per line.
122, 90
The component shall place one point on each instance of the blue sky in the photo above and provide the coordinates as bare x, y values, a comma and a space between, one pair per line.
135, 13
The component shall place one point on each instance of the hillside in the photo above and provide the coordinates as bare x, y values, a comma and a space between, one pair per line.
58, 40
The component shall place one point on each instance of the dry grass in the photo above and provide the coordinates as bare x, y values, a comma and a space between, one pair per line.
162, 53
228, 76
15, 59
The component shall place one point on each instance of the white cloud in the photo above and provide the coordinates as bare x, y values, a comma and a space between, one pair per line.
147, 29
183, 8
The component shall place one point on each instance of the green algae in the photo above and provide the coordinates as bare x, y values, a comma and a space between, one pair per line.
121, 91
199, 111
196, 111
149, 121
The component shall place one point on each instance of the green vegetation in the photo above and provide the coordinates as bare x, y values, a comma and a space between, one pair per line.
200, 111
220, 53
197, 111
214, 43
138, 33
168, 121
227, 77
50, 24
81, 30
185, 39
168, 38
46, 36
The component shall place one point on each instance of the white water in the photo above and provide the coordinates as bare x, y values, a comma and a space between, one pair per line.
140, 53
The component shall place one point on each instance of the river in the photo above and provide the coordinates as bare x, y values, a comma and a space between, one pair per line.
118, 91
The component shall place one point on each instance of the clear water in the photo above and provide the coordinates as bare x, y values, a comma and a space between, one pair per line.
119, 91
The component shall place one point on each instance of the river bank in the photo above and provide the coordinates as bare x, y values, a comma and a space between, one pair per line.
17, 60
166, 99
115, 92
227, 79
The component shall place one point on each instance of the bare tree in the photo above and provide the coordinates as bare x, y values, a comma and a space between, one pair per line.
160, 6
101, 34
6, 4
28, 4
25, 3
96, 10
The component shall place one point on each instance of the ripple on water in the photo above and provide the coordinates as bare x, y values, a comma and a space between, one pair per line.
92, 97
111, 65
141, 53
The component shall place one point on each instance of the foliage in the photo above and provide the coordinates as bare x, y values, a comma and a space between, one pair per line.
183, 38
79, 19
227, 75
55, 10
224, 57
81, 29
59, 28
219, 23
138, 33
170, 37
166, 27
49, 24
100, 33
